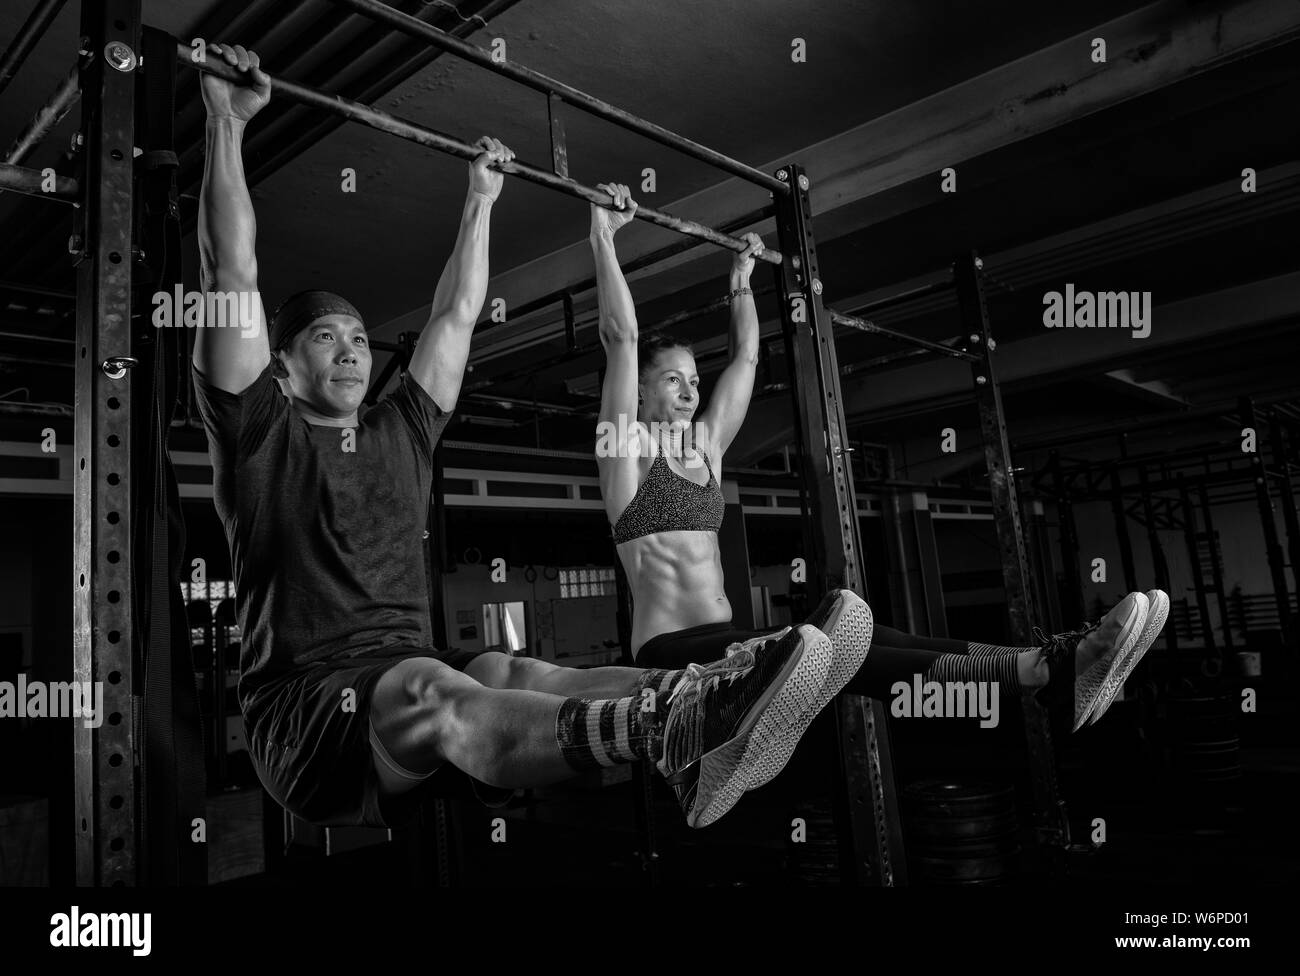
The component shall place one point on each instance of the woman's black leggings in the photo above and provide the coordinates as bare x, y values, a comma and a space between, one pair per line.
894, 656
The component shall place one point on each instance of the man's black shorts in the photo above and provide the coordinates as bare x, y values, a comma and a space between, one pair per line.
310, 743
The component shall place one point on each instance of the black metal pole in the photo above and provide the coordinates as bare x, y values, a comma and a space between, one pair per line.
1265, 502
1286, 493
1051, 820
374, 118
865, 325
108, 788
643, 807
1198, 574
58, 105
1159, 563
1216, 568
37, 23
865, 803
898, 298
32, 181
636, 264
414, 27
1120, 512
1073, 608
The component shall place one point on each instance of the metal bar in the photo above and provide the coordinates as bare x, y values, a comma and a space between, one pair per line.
636, 264
6, 285
31, 181
904, 296
643, 797
1286, 492
538, 82
677, 318
47, 117
1120, 514
1198, 574
866, 812
1141, 423
854, 322
570, 323
104, 634
1074, 609
559, 145
374, 118
1158, 560
1216, 569
1265, 503
884, 360
34, 27
1051, 819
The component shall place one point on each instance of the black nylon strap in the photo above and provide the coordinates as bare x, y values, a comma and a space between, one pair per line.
173, 776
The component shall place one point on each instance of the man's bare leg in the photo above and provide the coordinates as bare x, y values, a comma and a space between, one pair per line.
530, 674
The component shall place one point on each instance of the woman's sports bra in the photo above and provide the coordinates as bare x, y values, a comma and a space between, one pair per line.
667, 502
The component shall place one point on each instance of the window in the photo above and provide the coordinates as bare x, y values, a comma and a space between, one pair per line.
598, 581
214, 591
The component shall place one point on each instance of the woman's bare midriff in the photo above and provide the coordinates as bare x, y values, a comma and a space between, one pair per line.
676, 581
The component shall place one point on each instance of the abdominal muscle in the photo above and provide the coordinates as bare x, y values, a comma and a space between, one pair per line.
676, 581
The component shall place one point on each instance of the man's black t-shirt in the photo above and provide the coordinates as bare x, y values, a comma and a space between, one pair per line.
325, 526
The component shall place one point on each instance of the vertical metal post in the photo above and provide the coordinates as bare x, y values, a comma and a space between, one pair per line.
559, 145
1158, 560
866, 812
1120, 511
1216, 569
1073, 609
1198, 574
642, 776
104, 631
1051, 820
1275, 562
1047, 593
1286, 491
570, 324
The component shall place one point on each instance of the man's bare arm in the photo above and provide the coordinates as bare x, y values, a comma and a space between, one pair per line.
438, 363
232, 356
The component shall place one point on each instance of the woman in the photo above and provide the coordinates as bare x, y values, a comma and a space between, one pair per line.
659, 481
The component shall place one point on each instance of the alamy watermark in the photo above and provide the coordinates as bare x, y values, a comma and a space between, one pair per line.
75, 929
946, 699
1098, 310
639, 439
53, 699
178, 309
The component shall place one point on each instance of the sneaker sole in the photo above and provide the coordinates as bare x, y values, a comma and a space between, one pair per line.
769, 731
1095, 686
847, 620
1155, 623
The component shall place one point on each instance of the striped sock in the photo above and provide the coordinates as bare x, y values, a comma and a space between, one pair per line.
994, 650
973, 667
657, 679
610, 732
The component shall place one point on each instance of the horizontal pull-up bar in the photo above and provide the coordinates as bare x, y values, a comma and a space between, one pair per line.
404, 129
853, 322
417, 28
30, 181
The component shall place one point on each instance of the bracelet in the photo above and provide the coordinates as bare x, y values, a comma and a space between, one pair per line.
736, 293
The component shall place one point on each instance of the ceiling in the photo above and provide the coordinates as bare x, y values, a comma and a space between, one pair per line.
1138, 191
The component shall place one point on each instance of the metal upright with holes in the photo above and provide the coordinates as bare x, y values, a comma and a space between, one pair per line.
104, 634
866, 815
1051, 820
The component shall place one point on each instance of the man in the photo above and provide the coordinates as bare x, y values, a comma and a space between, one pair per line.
348, 706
